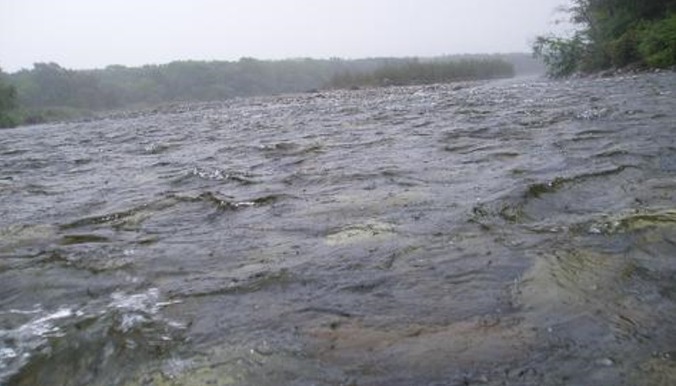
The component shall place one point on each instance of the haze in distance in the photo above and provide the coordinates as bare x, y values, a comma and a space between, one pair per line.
82, 34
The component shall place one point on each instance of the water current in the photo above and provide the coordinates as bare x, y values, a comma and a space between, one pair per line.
512, 232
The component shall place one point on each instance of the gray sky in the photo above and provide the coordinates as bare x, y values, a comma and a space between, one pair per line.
96, 33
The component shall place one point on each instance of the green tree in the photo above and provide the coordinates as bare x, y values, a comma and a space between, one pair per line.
7, 102
561, 56
612, 33
657, 42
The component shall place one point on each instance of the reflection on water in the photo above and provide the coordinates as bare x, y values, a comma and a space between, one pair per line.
515, 232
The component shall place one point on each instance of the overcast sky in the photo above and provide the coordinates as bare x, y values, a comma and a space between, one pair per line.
95, 33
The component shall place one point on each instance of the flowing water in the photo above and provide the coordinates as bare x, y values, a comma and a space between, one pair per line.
515, 232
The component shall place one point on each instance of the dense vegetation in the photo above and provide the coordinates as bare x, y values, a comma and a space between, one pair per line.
7, 102
613, 34
49, 91
415, 71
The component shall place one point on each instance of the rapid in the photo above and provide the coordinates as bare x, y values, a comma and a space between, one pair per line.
511, 232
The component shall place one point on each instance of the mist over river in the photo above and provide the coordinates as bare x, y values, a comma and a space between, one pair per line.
512, 232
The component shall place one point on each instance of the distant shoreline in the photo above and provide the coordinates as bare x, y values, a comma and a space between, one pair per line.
49, 92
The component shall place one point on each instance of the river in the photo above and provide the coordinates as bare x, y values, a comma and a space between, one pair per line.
511, 232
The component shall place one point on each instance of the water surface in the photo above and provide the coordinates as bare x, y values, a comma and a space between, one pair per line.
518, 232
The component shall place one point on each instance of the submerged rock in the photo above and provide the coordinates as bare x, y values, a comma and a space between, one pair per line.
363, 233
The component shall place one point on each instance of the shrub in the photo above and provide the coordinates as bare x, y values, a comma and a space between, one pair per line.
657, 42
624, 50
561, 56
7, 103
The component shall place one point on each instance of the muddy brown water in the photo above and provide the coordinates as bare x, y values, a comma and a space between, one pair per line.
516, 232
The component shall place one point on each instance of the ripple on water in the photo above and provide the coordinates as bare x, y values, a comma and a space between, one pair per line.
508, 232
593, 296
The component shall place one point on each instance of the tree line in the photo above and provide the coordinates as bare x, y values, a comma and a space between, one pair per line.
7, 102
49, 92
415, 71
613, 34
